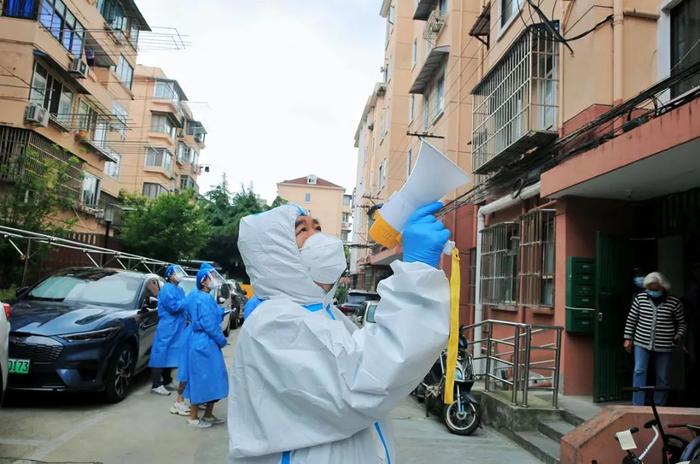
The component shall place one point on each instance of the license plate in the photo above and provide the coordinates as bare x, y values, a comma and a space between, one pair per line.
18, 366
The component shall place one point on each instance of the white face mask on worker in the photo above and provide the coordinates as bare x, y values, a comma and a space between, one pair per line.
323, 257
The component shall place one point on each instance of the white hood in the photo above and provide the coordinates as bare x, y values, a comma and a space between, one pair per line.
268, 246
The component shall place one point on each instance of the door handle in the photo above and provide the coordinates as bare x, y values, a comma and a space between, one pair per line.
600, 317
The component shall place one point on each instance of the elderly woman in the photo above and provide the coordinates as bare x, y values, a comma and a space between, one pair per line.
655, 324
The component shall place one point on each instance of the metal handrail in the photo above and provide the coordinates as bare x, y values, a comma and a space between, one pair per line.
519, 360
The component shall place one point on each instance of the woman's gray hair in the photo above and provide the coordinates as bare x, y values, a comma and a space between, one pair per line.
658, 278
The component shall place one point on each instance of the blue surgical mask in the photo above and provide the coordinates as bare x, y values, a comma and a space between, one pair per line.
639, 282
655, 293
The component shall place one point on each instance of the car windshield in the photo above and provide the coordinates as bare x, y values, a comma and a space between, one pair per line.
359, 298
107, 288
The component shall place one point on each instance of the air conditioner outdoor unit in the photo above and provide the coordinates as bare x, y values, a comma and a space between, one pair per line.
37, 114
79, 68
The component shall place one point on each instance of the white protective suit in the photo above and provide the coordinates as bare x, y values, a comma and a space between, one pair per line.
308, 387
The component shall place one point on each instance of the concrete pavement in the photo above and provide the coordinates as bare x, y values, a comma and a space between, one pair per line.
82, 429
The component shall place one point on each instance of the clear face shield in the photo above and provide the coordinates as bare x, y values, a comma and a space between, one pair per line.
214, 279
178, 274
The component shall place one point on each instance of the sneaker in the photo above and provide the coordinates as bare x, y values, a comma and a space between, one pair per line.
171, 386
198, 423
213, 420
181, 409
160, 391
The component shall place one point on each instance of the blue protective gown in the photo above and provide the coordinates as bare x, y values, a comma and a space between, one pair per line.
207, 378
167, 344
182, 365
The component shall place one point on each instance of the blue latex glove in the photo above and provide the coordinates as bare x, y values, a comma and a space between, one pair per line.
424, 237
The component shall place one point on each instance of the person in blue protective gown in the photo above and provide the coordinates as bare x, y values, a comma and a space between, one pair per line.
180, 407
207, 378
167, 344
308, 386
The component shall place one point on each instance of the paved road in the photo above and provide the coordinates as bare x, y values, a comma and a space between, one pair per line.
81, 429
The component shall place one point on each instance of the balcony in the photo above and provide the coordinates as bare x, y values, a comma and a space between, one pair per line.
515, 104
197, 131
433, 63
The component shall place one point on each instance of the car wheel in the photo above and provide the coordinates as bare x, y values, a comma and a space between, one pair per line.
234, 320
119, 374
227, 330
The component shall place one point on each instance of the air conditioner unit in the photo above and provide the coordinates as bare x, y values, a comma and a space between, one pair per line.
37, 114
79, 68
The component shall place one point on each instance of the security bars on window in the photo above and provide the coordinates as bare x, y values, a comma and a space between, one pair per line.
515, 105
537, 258
499, 264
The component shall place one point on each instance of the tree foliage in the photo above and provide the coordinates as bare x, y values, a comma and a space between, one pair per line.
41, 188
171, 228
223, 211
39, 192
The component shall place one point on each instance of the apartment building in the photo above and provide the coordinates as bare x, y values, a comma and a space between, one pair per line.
165, 141
323, 200
576, 121
585, 141
423, 94
66, 77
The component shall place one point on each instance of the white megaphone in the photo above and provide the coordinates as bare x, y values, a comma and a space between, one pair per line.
433, 176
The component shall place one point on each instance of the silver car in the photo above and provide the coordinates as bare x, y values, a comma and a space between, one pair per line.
4, 347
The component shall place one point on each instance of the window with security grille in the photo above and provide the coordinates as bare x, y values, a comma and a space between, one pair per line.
499, 264
537, 246
515, 104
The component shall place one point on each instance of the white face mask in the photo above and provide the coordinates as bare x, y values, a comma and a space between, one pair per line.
323, 256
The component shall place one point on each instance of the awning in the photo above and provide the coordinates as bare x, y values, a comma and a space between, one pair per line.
103, 58
432, 63
481, 27
423, 9
132, 11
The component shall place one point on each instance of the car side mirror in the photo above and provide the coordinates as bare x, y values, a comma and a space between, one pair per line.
21, 291
221, 300
152, 302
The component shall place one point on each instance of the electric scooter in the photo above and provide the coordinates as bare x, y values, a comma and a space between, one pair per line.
463, 416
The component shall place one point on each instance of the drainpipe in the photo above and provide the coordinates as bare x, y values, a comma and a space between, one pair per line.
618, 44
498, 205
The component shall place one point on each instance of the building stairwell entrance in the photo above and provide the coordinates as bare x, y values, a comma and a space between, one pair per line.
664, 236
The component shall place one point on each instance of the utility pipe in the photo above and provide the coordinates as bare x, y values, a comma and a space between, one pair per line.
497, 205
618, 56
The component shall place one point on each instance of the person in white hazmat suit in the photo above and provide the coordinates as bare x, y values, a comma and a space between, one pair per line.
308, 386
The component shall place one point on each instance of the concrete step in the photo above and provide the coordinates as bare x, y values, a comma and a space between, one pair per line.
555, 429
539, 445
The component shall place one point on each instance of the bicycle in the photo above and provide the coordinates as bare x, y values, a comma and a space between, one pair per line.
675, 449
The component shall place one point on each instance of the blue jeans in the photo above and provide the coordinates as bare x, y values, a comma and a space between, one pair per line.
663, 370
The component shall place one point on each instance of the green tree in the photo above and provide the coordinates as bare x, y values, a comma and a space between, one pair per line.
170, 228
38, 190
223, 212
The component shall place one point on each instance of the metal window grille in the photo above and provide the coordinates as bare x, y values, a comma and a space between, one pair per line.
15, 143
537, 248
499, 264
515, 105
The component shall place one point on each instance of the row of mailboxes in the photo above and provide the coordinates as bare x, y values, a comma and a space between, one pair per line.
580, 295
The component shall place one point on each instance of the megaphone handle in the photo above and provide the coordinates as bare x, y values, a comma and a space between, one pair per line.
449, 246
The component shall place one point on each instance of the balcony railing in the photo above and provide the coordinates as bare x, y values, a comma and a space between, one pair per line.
515, 105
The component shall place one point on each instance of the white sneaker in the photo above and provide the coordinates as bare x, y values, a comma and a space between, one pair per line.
198, 423
160, 391
213, 420
181, 409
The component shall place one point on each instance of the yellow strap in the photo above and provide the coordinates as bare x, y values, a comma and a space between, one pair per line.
453, 341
